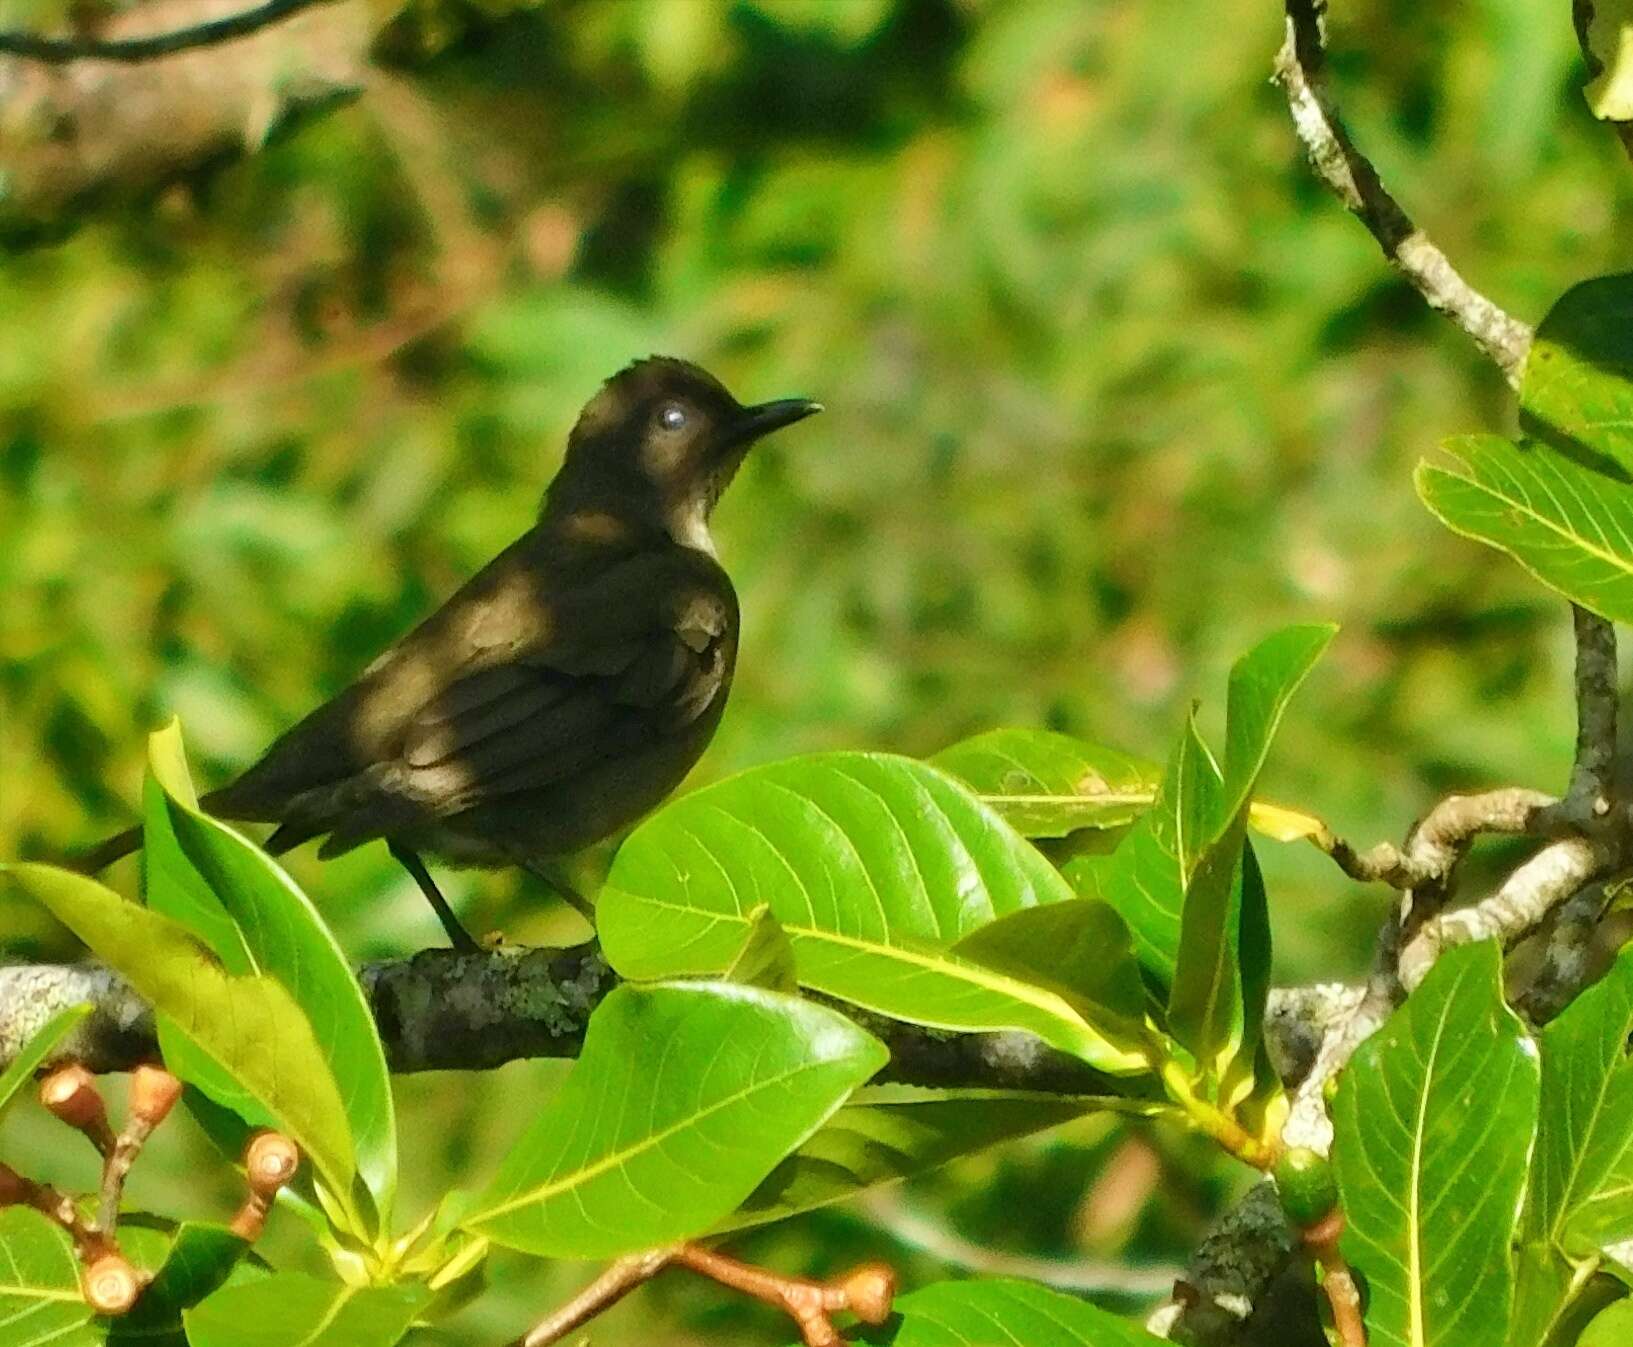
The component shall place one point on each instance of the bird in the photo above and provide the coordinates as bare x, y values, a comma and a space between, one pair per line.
565, 689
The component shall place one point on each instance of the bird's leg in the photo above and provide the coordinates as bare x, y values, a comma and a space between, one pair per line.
458, 936
553, 876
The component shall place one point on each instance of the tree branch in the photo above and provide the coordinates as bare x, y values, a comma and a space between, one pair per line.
1301, 71
61, 50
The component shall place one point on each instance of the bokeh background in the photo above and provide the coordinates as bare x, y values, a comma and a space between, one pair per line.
1113, 390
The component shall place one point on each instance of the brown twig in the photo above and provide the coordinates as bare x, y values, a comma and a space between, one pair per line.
1301, 71
605, 1291
1337, 1280
153, 1093
866, 1292
70, 1095
61, 50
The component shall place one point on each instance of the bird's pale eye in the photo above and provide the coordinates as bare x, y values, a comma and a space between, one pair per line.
672, 417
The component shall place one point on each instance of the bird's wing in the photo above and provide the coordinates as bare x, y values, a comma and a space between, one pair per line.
530, 673
551, 682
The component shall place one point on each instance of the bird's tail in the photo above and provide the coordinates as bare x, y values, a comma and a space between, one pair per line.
100, 857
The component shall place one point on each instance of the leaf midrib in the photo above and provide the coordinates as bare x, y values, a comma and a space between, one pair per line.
1622, 564
949, 966
616, 1159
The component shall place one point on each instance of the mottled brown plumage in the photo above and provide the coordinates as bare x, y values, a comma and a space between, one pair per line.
566, 688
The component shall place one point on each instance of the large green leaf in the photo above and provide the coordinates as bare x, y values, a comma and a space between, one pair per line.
873, 865
1002, 1313
1569, 525
1047, 784
40, 1300
1581, 1194
250, 1026
1221, 971
1578, 384
35, 1052
291, 1309
1434, 1123
242, 904
1145, 878
1080, 950
684, 1098
890, 1132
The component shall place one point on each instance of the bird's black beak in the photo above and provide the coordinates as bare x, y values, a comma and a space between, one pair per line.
758, 421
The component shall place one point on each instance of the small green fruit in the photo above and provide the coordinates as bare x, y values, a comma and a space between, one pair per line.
1306, 1184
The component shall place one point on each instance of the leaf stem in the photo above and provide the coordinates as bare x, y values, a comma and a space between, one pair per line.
1212, 1121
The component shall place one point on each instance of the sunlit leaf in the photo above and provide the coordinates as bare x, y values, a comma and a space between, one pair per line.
1001, 1313
1577, 390
766, 958
1611, 1327
1581, 1193
1435, 1119
241, 903
40, 1300
1568, 524
291, 1309
683, 1099
250, 1026
873, 865
1047, 784
1080, 950
1221, 971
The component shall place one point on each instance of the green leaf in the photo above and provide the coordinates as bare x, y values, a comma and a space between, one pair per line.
1047, 784
1146, 877
683, 1099
40, 1299
874, 866
1569, 525
201, 1260
1080, 950
1434, 1123
291, 1309
1611, 1327
249, 1026
766, 958
1577, 390
37, 1050
242, 904
890, 1132
996, 1313
1222, 967
1581, 1194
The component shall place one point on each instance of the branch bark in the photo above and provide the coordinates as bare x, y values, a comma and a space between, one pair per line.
1301, 71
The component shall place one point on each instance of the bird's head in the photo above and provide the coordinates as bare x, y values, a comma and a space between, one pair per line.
659, 443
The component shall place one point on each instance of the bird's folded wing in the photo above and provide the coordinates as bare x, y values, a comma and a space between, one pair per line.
611, 667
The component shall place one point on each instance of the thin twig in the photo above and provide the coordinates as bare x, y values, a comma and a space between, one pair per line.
1592, 776
1301, 71
604, 1292
1568, 962
61, 50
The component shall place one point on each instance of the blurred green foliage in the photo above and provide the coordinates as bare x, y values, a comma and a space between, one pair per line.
1113, 390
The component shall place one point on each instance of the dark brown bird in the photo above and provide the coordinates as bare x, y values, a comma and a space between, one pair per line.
566, 688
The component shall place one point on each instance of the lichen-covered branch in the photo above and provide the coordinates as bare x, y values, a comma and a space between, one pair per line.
1301, 71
